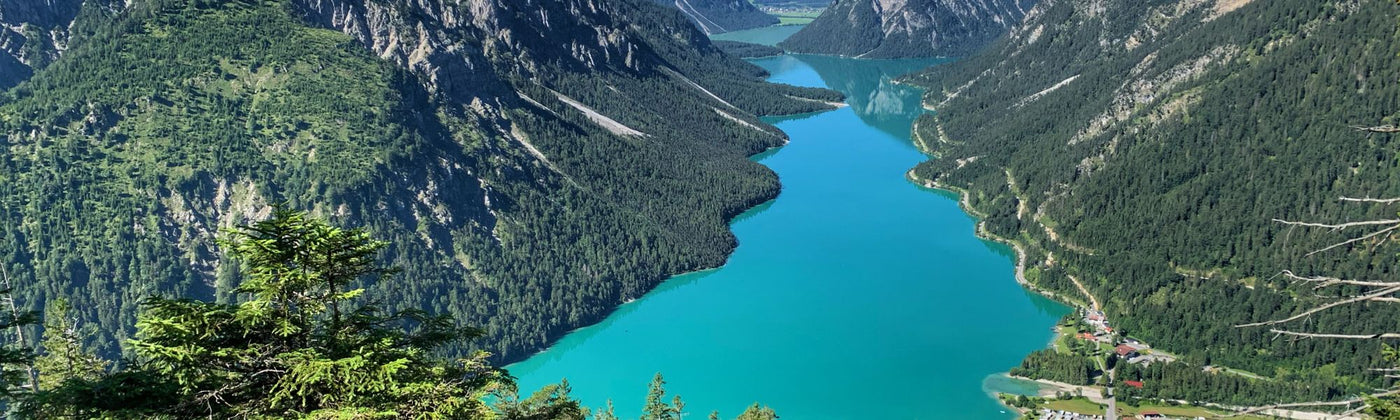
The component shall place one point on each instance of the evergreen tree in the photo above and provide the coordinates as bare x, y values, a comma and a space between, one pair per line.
607, 414
656, 407
63, 357
15, 358
756, 412
1382, 409
295, 340
300, 343
549, 403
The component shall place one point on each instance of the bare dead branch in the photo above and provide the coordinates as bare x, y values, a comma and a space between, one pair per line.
1323, 282
1384, 129
1351, 241
1353, 411
1372, 200
1343, 336
1304, 314
1250, 410
1339, 226
1383, 240
1386, 292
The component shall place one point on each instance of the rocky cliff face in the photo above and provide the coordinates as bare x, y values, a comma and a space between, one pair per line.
32, 33
451, 45
908, 28
719, 16
425, 38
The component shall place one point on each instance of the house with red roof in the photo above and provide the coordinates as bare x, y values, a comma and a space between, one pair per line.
1134, 384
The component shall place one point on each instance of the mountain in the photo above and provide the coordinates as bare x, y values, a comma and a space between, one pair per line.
720, 16
533, 164
907, 28
1144, 149
33, 33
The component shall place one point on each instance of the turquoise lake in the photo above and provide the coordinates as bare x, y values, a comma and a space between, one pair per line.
856, 294
767, 36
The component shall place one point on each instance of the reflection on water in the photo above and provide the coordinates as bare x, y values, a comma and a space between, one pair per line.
751, 213
771, 35
1001, 383
764, 155
870, 88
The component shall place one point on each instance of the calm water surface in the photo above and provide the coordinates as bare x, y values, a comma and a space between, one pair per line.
854, 295
771, 35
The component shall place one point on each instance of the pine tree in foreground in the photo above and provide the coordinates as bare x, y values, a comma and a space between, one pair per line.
300, 342
64, 357
16, 376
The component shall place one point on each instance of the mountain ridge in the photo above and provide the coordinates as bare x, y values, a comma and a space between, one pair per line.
1144, 148
466, 134
720, 16
907, 28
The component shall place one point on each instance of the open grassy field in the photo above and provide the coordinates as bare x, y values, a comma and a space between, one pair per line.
1174, 411
1077, 405
1084, 406
794, 20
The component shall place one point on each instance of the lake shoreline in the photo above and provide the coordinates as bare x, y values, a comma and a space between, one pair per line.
773, 305
980, 228
981, 232
729, 220
1048, 388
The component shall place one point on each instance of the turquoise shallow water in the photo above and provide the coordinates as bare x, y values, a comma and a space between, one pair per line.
854, 295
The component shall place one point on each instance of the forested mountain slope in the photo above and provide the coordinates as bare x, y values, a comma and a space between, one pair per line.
907, 28
1144, 148
534, 164
720, 16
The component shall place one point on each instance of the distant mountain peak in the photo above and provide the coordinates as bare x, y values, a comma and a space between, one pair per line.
908, 28
720, 16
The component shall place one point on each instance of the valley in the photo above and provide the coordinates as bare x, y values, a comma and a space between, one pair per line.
853, 275
525, 210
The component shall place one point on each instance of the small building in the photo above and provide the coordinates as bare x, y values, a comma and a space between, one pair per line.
1151, 415
1125, 351
1086, 336
1134, 384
